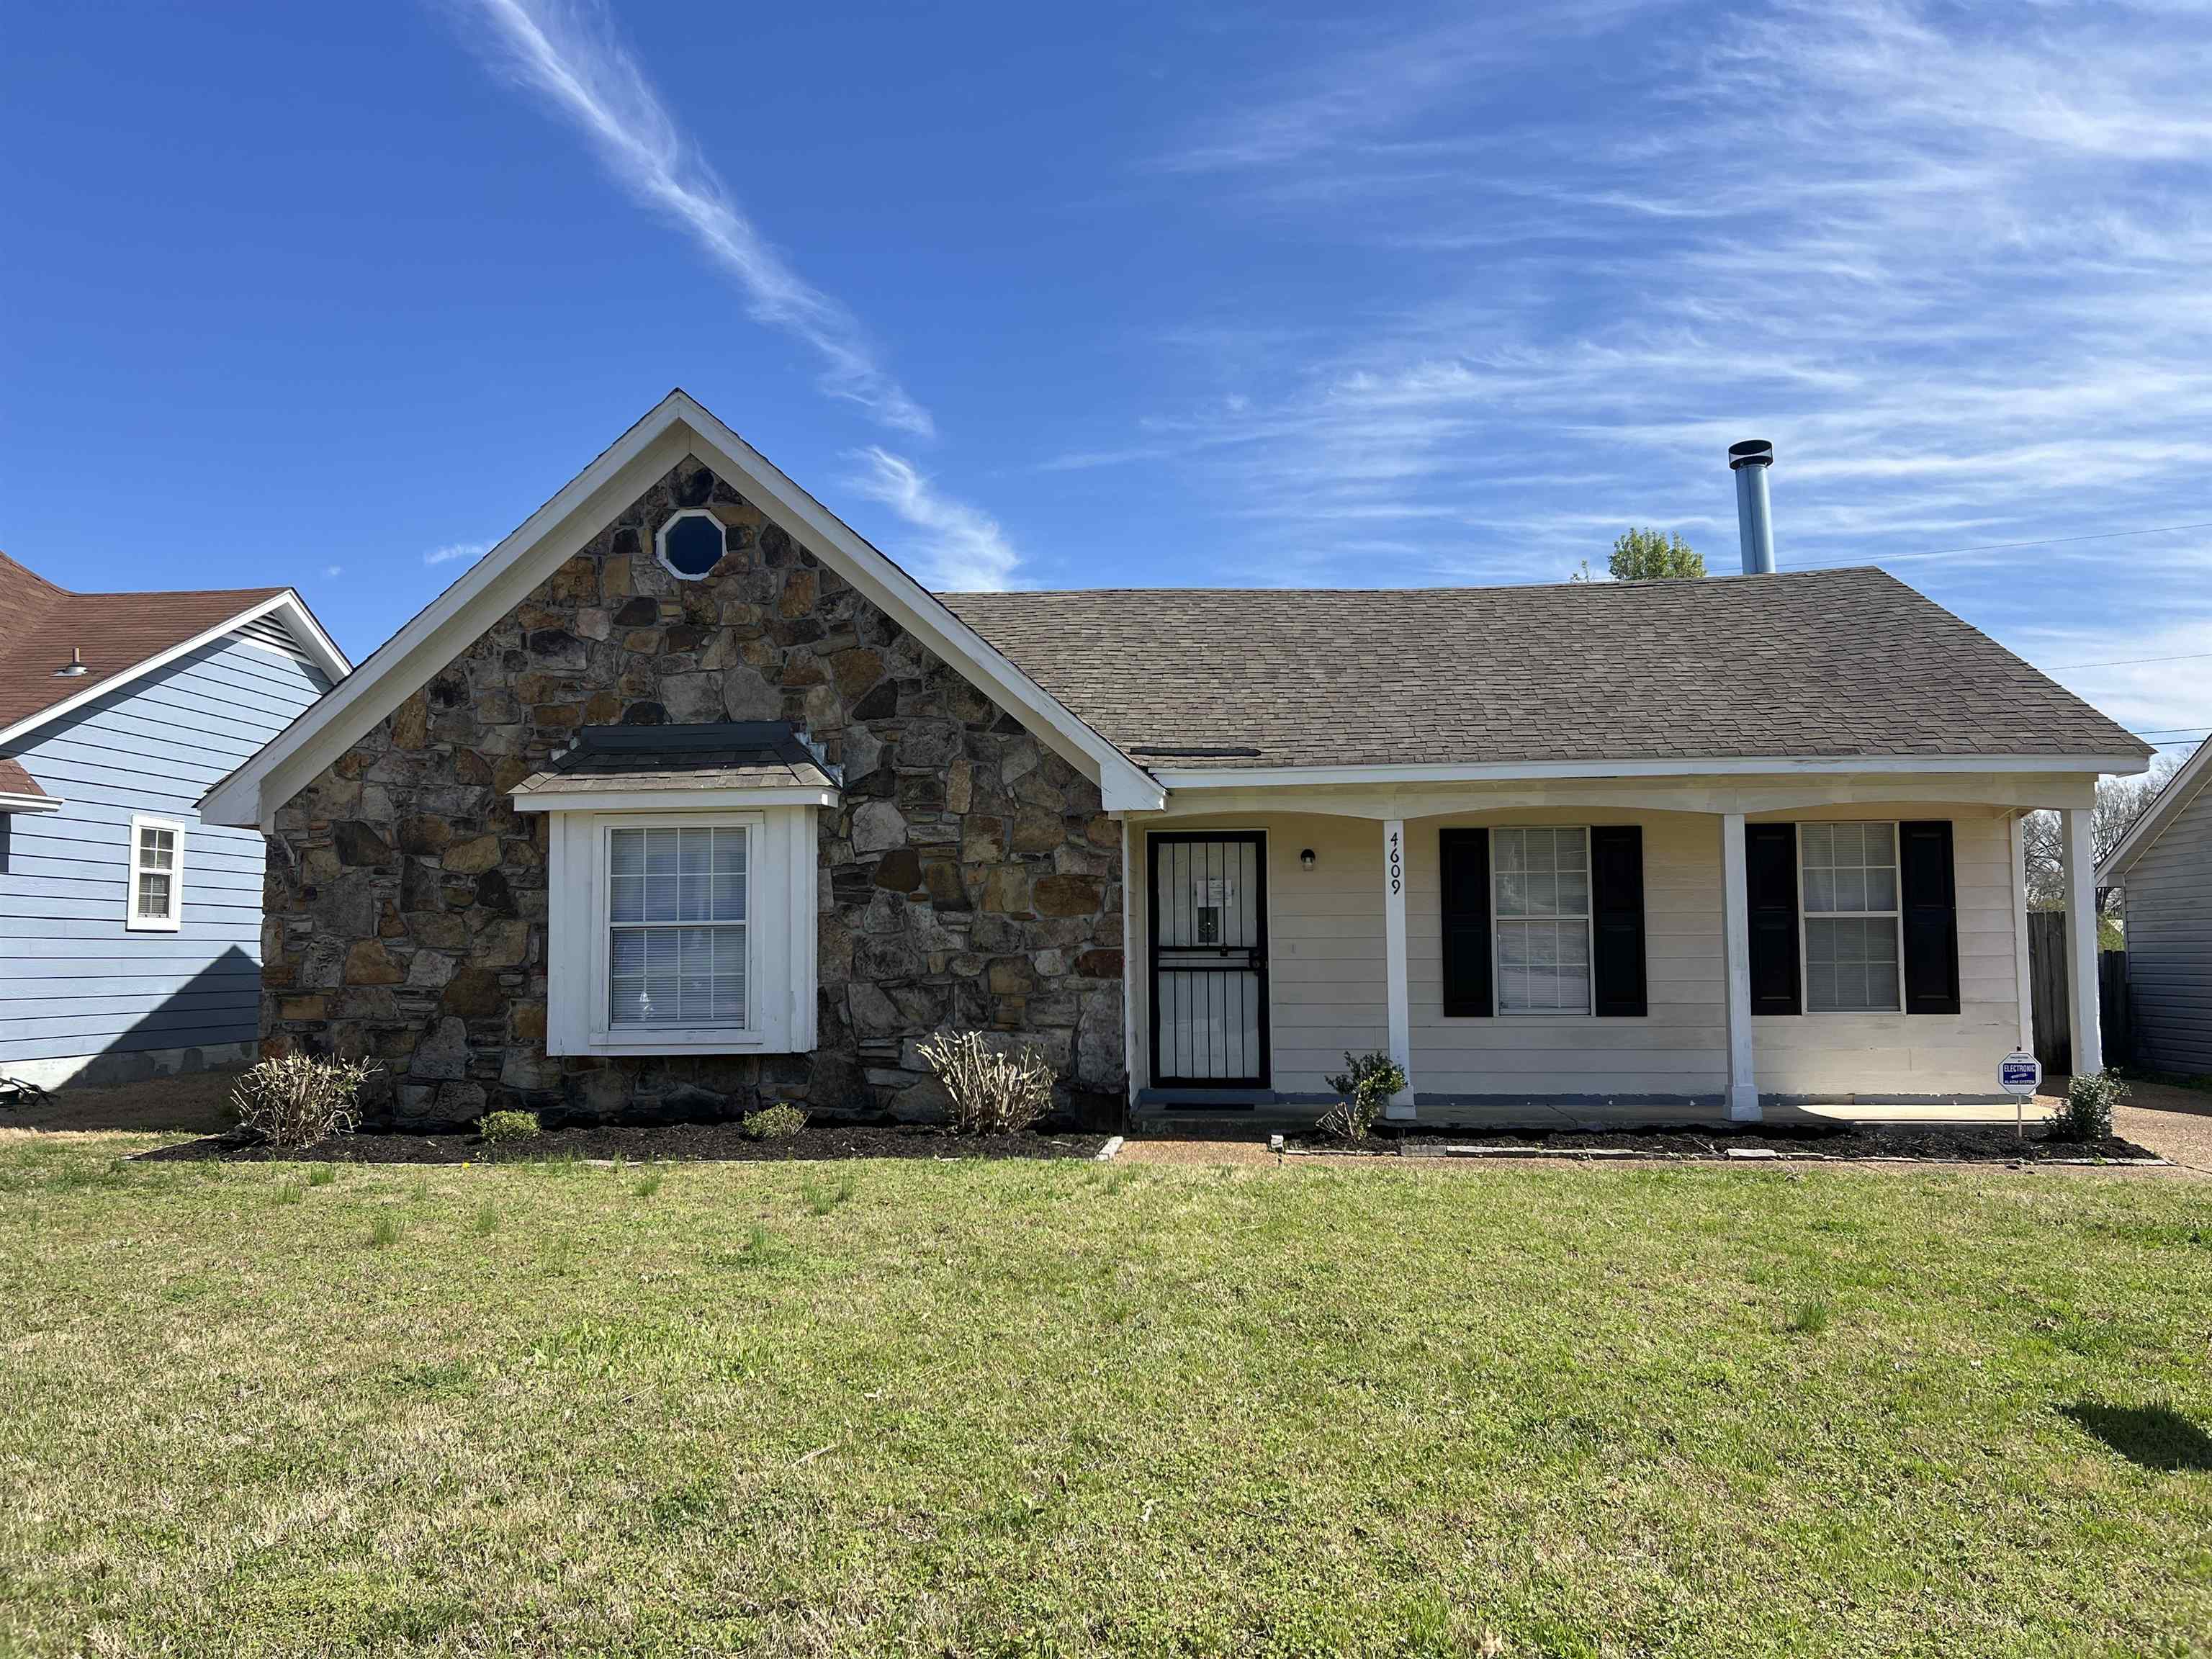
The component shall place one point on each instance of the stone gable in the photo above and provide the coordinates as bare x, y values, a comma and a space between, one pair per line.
969, 879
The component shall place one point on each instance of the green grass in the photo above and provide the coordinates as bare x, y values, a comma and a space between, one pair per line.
1007, 1409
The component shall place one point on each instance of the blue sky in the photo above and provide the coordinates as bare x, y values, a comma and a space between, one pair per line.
1074, 296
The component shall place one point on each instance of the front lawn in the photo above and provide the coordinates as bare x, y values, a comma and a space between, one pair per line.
1072, 1408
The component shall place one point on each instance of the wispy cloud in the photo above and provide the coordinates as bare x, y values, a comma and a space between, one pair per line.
959, 549
1949, 259
332, 572
453, 551
569, 54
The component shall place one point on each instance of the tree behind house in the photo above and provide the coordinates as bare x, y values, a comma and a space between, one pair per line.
1646, 556
2120, 802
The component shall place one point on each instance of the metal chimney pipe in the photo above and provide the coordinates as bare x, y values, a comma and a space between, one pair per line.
1749, 460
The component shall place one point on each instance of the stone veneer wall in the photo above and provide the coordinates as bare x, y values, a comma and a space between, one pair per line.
969, 879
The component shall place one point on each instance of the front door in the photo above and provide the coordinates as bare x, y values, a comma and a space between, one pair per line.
1209, 933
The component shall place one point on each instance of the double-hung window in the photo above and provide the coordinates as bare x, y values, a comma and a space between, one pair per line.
155, 902
676, 909
1848, 893
1543, 921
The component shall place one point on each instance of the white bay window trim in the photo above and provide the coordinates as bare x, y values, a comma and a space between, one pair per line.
778, 926
157, 872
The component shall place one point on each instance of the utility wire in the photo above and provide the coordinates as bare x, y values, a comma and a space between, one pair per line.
2128, 662
2049, 541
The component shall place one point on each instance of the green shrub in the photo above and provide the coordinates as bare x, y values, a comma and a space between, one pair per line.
2088, 1113
499, 1127
1367, 1082
296, 1100
773, 1122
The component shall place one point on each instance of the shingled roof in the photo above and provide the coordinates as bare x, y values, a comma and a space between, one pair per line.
1816, 663
726, 754
41, 623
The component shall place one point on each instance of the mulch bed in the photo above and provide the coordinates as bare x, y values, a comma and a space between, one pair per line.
641, 1143
1960, 1143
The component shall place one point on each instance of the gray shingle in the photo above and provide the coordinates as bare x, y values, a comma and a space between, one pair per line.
1802, 664
731, 755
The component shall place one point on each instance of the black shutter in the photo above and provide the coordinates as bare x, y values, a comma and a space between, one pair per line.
1464, 858
1929, 895
1770, 859
1617, 920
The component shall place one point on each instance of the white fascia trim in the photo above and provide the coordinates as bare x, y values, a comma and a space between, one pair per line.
289, 606
677, 426
324, 730
1123, 784
2181, 789
670, 800
1508, 771
31, 803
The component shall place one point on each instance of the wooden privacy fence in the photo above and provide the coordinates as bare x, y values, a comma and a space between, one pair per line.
2046, 979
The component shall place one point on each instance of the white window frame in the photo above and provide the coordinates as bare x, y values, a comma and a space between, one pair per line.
660, 542
1805, 916
1499, 920
781, 886
141, 822
603, 1027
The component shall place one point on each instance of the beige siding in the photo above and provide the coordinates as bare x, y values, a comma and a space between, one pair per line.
1680, 1049
1923, 1054
1324, 943
1327, 987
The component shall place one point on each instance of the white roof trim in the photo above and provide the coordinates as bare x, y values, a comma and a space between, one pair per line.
9, 802
1269, 777
2183, 787
720, 798
287, 606
674, 427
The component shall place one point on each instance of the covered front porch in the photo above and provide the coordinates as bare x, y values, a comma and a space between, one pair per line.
1602, 952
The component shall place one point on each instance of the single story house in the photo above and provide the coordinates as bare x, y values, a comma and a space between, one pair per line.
129, 931
685, 798
2163, 868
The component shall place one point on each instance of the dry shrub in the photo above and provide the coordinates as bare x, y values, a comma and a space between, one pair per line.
992, 1091
297, 1100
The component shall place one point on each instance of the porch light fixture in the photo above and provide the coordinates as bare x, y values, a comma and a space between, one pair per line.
1306, 859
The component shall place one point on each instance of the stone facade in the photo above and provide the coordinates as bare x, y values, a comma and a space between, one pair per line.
969, 879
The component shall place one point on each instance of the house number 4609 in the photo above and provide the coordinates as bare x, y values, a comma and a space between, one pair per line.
1397, 871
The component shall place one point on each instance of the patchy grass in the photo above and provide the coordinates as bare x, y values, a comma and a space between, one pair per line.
1007, 1407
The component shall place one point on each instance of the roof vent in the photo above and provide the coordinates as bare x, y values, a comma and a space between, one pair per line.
1749, 460
73, 667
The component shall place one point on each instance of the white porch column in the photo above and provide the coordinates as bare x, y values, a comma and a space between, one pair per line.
1743, 1079
2023, 980
1393, 960
2081, 942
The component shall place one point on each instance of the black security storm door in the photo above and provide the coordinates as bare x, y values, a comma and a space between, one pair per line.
1208, 910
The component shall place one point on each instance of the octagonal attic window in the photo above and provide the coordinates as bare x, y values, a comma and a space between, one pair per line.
690, 543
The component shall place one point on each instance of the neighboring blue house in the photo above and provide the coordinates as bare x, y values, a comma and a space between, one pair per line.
129, 931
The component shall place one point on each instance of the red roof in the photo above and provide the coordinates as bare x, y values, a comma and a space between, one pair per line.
40, 624
14, 781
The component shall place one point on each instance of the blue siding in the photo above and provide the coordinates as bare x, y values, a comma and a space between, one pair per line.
73, 979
